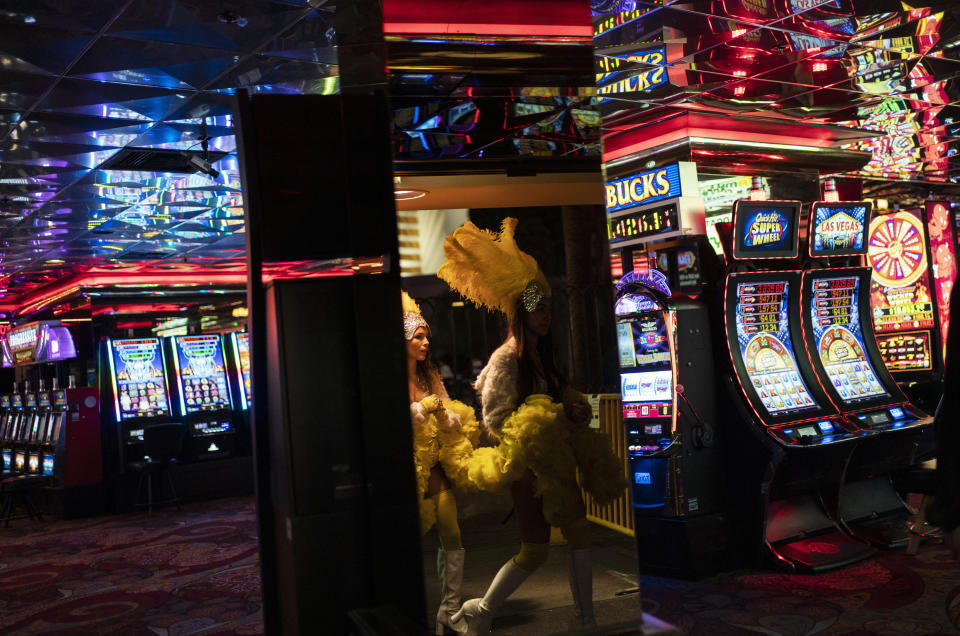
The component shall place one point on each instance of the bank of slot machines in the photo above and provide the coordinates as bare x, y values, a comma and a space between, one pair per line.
35, 441
668, 401
182, 379
811, 386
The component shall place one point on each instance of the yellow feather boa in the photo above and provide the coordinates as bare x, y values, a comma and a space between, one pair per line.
449, 443
536, 435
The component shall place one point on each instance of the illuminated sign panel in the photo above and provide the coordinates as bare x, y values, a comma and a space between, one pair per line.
839, 229
943, 261
644, 223
900, 293
766, 229
612, 81
643, 188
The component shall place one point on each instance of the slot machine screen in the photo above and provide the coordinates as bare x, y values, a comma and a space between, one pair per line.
16, 402
241, 349
19, 461
60, 400
839, 229
900, 291
43, 400
137, 367
31, 400
7, 460
33, 463
766, 229
4, 401
838, 338
202, 374
766, 348
48, 465
646, 378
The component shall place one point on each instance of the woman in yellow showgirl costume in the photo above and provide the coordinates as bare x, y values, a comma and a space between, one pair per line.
541, 424
444, 433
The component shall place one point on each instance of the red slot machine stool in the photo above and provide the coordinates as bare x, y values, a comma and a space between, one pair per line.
21, 489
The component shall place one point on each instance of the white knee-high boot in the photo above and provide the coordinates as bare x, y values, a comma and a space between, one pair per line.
479, 612
450, 573
581, 586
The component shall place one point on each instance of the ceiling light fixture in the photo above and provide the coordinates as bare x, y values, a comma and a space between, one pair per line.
406, 195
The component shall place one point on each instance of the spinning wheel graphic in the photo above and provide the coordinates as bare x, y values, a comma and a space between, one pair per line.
896, 250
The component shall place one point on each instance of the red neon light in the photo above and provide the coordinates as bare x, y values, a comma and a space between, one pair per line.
137, 308
195, 275
563, 18
134, 324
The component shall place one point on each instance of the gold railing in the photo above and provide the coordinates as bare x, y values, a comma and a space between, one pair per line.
619, 514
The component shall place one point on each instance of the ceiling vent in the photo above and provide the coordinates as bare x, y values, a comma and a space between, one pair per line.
162, 160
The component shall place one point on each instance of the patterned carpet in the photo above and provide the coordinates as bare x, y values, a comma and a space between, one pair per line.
170, 573
196, 572
892, 595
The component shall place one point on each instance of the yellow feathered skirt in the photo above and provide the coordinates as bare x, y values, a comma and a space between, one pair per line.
535, 436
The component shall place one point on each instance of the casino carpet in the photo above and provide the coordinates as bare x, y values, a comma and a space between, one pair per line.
195, 571
169, 573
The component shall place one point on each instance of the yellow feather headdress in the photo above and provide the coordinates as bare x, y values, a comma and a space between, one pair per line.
412, 318
491, 270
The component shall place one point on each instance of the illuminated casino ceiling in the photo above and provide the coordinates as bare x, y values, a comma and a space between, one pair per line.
873, 64
84, 82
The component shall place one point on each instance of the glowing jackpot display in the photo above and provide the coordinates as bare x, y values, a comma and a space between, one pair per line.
201, 373
763, 335
835, 317
140, 387
900, 291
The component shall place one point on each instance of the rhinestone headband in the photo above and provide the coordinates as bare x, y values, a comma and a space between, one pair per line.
531, 296
411, 322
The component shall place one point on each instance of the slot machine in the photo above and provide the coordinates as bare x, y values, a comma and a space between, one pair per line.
240, 342
6, 458
31, 418
240, 361
666, 390
141, 395
14, 426
203, 390
838, 330
911, 254
790, 449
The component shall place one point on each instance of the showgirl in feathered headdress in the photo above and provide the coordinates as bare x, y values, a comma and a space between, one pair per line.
444, 434
540, 422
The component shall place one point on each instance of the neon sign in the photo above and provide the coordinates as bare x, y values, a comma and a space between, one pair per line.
639, 82
645, 187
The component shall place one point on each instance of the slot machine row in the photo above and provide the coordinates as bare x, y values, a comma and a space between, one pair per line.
31, 436
181, 379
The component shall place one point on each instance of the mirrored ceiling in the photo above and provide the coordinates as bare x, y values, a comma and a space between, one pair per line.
116, 138
887, 67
